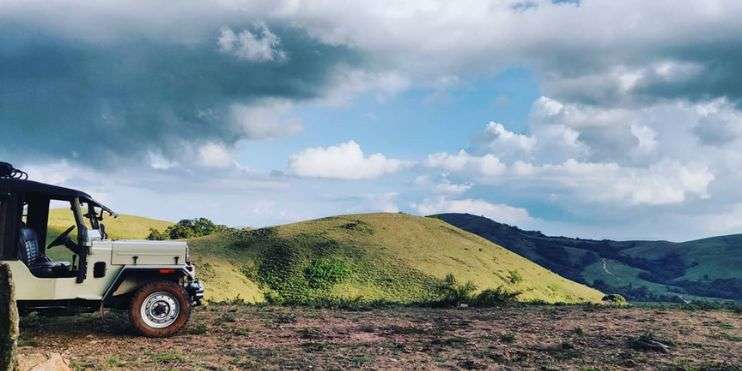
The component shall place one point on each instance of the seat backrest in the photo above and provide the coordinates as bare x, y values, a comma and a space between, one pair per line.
28, 246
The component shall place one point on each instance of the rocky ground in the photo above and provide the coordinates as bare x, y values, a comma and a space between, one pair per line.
239, 336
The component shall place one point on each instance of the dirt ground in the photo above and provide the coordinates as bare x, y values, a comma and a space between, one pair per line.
239, 337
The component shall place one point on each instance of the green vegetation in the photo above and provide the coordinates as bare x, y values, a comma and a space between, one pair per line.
615, 299
351, 259
186, 228
450, 293
708, 269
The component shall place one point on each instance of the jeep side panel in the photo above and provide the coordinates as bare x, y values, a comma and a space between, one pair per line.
29, 287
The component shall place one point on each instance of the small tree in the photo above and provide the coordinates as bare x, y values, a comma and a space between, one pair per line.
187, 228
157, 235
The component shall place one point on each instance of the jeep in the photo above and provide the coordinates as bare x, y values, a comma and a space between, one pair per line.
154, 280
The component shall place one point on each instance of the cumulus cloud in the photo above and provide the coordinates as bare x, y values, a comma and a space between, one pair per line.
487, 165
499, 212
262, 46
660, 154
215, 155
343, 161
504, 143
666, 182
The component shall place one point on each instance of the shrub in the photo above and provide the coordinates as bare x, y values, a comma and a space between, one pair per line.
495, 297
187, 228
324, 273
515, 276
156, 235
451, 293
615, 299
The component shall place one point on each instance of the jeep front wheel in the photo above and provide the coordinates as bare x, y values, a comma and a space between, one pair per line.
160, 309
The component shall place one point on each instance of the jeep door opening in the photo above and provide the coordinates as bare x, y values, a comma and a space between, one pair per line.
154, 280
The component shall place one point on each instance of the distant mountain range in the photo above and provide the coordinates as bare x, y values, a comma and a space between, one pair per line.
640, 270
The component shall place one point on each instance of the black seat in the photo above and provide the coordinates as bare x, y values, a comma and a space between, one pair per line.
39, 265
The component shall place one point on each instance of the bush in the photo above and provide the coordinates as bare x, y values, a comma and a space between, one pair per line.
495, 297
451, 293
187, 228
156, 235
615, 299
323, 273
515, 277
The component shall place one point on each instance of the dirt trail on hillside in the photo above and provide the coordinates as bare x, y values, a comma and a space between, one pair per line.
239, 337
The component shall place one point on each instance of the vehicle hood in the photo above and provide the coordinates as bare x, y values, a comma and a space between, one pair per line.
144, 252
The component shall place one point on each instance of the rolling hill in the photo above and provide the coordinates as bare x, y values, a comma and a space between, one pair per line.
640, 270
392, 257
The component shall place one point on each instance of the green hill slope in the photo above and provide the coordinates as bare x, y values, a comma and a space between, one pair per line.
640, 270
392, 257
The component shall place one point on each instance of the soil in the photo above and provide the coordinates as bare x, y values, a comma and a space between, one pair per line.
557, 337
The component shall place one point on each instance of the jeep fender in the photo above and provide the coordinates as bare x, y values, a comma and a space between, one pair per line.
129, 279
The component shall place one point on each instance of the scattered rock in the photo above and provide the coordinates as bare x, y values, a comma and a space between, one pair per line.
648, 342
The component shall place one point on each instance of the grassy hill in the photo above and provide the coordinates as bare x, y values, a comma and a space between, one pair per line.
641, 270
393, 257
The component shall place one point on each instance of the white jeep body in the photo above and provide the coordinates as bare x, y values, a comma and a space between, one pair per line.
150, 256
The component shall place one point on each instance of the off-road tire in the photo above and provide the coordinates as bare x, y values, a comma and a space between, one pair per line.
176, 291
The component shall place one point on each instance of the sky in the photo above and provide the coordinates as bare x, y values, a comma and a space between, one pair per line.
592, 118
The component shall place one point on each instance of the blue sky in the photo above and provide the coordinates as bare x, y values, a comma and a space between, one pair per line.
409, 125
589, 118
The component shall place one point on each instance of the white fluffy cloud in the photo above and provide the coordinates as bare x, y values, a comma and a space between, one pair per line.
215, 155
506, 144
499, 212
343, 161
623, 157
666, 182
487, 165
262, 46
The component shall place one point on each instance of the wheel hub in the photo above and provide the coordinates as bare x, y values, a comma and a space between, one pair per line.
160, 310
